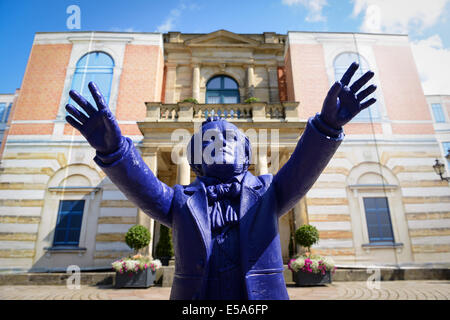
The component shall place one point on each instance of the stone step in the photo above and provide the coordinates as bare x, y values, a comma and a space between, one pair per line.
50, 278
165, 275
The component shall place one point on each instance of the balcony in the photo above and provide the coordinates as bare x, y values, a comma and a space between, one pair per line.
240, 112
162, 120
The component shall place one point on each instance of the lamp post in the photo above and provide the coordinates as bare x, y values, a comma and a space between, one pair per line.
439, 168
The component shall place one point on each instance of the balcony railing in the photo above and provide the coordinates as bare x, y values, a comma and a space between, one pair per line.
256, 111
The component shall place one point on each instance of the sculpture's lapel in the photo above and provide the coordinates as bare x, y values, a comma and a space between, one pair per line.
198, 206
250, 193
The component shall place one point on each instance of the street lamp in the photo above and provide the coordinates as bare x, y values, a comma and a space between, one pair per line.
439, 168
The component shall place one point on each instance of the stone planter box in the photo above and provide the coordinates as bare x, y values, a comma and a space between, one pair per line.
141, 279
164, 260
304, 279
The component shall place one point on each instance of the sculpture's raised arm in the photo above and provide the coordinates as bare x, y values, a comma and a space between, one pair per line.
322, 137
118, 157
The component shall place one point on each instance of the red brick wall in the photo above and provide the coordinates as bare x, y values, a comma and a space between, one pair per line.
363, 128
419, 128
140, 82
31, 128
403, 95
309, 78
41, 89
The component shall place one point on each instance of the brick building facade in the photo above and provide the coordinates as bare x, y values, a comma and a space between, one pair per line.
378, 202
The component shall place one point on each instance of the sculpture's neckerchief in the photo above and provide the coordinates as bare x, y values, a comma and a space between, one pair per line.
220, 196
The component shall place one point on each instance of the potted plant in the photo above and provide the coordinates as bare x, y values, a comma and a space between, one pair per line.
309, 269
190, 100
251, 99
164, 248
136, 271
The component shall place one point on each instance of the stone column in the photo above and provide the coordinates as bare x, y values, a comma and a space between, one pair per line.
272, 74
183, 171
300, 217
171, 79
250, 81
150, 157
196, 82
261, 166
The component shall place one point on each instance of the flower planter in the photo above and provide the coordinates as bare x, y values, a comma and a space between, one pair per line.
164, 260
140, 279
304, 279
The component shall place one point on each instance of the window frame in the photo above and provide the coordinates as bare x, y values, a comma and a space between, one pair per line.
379, 239
87, 69
442, 118
3, 105
222, 92
374, 111
67, 229
8, 111
445, 147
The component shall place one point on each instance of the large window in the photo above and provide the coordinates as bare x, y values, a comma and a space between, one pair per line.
8, 111
378, 220
438, 113
446, 147
68, 225
341, 64
222, 89
95, 66
2, 111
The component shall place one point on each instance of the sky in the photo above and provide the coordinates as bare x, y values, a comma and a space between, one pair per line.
426, 22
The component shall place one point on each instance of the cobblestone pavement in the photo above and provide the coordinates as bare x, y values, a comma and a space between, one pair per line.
388, 290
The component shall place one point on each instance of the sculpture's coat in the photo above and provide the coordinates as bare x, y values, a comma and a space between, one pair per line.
263, 200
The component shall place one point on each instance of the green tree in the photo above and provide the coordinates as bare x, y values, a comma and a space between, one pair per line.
164, 248
137, 237
306, 236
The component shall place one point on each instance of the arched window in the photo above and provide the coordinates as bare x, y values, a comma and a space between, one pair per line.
341, 64
222, 89
95, 66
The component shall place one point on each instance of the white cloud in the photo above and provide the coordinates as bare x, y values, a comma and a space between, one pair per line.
130, 29
314, 8
174, 15
169, 23
398, 16
413, 17
433, 63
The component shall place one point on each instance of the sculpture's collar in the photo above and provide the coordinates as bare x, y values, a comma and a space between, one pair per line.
246, 178
212, 180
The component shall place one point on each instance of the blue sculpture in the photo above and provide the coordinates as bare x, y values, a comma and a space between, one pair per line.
225, 223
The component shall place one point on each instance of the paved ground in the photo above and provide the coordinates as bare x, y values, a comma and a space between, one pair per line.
388, 290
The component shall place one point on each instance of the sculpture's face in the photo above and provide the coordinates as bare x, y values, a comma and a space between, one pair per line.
223, 149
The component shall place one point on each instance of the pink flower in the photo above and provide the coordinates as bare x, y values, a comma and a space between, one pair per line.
289, 264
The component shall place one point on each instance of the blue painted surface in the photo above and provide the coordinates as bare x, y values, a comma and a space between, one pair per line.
203, 268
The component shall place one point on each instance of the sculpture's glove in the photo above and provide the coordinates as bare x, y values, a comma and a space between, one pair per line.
343, 103
100, 129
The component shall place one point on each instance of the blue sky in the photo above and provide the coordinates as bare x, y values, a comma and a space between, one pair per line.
426, 22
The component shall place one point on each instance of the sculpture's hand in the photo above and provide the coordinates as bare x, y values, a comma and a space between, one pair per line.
100, 129
343, 103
